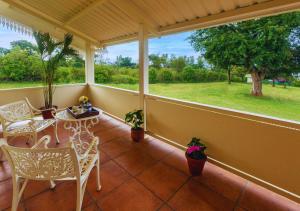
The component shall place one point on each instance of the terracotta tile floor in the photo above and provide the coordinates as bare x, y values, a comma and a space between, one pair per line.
150, 175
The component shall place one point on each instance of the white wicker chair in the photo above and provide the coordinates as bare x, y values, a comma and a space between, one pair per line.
20, 119
73, 162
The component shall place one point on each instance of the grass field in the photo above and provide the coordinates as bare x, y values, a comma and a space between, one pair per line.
277, 101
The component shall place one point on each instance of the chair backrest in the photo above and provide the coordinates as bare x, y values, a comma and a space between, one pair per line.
43, 164
16, 111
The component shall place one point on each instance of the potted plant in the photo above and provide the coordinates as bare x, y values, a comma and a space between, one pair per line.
196, 156
52, 52
136, 119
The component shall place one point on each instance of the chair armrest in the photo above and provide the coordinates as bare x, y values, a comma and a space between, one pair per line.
3, 142
44, 141
35, 110
92, 146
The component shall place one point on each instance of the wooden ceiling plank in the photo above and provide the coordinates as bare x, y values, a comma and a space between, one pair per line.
258, 10
115, 20
85, 11
137, 15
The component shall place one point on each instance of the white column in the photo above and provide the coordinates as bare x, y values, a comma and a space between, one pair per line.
143, 68
89, 64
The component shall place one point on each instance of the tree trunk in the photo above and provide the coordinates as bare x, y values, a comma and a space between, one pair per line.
229, 76
273, 82
257, 78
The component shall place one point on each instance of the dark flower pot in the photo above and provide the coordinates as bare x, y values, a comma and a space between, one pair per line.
137, 134
195, 165
48, 113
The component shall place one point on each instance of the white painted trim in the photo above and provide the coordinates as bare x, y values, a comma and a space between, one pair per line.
39, 87
89, 63
135, 93
290, 124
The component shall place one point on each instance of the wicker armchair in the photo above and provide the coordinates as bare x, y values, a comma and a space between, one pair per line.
21, 119
42, 163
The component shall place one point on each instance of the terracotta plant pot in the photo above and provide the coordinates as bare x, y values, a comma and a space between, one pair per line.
48, 113
137, 134
195, 165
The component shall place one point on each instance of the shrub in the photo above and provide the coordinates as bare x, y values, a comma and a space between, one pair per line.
152, 75
212, 76
202, 76
103, 74
63, 74
296, 83
77, 74
236, 79
189, 74
165, 75
124, 79
222, 76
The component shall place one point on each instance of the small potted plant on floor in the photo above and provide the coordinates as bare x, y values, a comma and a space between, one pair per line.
136, 119
195, 156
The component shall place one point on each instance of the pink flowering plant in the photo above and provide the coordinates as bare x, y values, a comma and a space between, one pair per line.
196, 149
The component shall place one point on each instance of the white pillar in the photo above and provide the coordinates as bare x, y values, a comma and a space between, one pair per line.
143, 67
89, 64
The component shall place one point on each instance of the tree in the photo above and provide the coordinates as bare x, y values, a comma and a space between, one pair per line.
24, 45
3, 51
262, 46
178, 63
124, 62
19, 65
200, 62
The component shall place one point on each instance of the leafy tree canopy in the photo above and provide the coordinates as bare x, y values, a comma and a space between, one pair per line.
262, 46
24, 45
124, 62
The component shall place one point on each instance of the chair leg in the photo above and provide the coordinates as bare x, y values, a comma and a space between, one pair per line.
52, 184
79, 196
34, 138
55, 132
15, 200
98, 175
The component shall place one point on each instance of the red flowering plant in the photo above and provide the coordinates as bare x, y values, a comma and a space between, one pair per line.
196, 149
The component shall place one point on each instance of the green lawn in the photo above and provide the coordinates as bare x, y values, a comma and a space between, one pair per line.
277, 101
9, 85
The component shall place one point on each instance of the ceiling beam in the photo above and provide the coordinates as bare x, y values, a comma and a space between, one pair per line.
267, 8
32, 11
85, 11
119, 40
137, 15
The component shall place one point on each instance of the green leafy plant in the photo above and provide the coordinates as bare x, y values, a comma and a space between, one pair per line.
135, 119
196, 149
52, 52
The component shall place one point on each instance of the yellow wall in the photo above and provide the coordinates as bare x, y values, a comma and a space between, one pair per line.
65, 95
265, 148
114, 101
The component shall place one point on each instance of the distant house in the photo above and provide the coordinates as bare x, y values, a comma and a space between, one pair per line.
296, 76
249, 78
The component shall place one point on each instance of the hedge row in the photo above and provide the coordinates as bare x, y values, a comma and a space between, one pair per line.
109, 74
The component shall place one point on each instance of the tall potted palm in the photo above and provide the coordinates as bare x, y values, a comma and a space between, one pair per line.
52, 52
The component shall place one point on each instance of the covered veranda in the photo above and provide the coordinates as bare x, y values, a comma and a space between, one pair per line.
253, 160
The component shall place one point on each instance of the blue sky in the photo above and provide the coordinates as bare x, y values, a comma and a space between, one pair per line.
176, 44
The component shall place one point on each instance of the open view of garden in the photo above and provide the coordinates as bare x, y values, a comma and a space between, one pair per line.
251, 66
